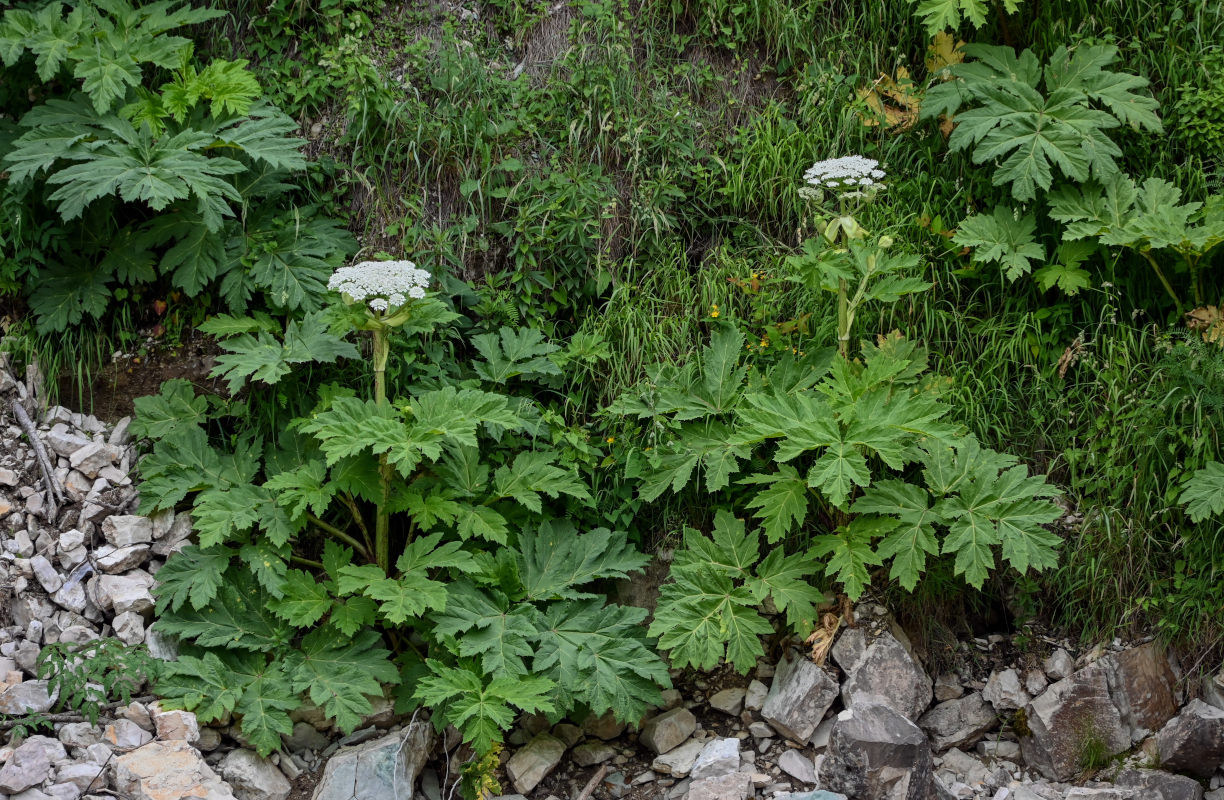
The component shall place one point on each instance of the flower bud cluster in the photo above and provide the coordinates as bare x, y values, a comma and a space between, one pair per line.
382, 285
848, 172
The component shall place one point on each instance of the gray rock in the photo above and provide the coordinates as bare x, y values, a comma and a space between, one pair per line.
123, 593
718, 757
305, 737
591, 753
603, 727
735, 786
1004, 690
129, 628
1193, 741
1143, 688
1102, 793
78, 734
667, 730
93, 458
114, 560
948, 687
798, 766
798, 698
163, 770
531, 764
50, 580
999, 750
570, 734
1072, 718
1059, 665
127, 529
820, 738
881, 670
30, 763
175, 725
959, 722
124, 734
253, 778
819, 794
755, 696
678, 762
83, 776
1158, 785
876, 752
63, 442
761, 730
729, 701
382, 768
27, 697
966, 767
1035, 682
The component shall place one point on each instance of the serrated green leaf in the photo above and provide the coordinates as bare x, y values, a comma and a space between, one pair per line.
340, 676
850, 552
1003, 237
783, 505
175, 404
192, 574
554, 561
481, 711
304, 602
498, 631
1202, 492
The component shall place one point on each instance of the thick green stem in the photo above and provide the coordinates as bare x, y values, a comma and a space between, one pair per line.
382, 525
1165, 282
843, 319
339, 534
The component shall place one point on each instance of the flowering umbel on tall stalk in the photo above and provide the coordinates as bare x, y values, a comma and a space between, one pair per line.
387, 289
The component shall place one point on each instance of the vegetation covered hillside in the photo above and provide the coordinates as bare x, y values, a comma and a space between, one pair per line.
497, 300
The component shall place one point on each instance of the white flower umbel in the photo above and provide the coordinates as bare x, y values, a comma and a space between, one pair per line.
382, 285
846, 173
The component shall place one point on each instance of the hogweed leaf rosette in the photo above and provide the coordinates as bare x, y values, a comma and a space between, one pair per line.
388, 290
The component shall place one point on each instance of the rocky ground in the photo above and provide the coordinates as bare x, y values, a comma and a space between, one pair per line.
1044, 722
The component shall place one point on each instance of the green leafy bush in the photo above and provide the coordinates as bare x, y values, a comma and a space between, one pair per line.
440, 519
1034, 120
185, 183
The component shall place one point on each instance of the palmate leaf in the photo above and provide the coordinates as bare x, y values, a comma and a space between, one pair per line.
304, 599
1202, 492
236, 618
193, 575
850, 552
339, 675
1003, 237
481, 711
184, 462
206, 685
175, 404
554, 561
909, 544
703, 619
264, 705
486, 624
598, 653
786, 578
293, 255
729, 549
64, 296
841, 467
302, 489
940, 15
260, 356
514, 353
535, 473
783, 505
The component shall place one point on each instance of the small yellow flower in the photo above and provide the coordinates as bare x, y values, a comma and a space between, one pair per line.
714, 314
714, 310
764, 343
610, 439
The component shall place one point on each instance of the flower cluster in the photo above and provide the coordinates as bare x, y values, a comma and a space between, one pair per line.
847, 172
383, 285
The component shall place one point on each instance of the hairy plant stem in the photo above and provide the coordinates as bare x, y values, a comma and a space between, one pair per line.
1164, 282
382, 524
843, 319
339, 534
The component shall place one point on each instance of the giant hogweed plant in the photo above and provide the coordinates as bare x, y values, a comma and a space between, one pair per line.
851, 454
185, 181
433, 539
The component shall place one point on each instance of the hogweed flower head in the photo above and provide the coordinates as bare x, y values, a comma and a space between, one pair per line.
854, 173
382, 285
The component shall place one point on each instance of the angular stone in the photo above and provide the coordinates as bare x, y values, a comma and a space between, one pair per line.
1158, 785
729, 701
46, 574
1004, 690
93, 458
998, 750
1102, 793
678, 762
667, 730
123, 593
253, 778
591, 753
948, 687
755, 696
83, 776
168, 771
78, 734
718, 757
819, 794
176, 725
735, 786
881, 670
605, 726
875, 752
798, 698
30, 763
1035, 682
1143, 687
798, 766
959, 722
1059, 665
570, 734
531, 764
123, 734
27, 697
129, 627
63, 442
1071, 716
1193, 741
382, 768
305, 737
125, 530
114, 560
